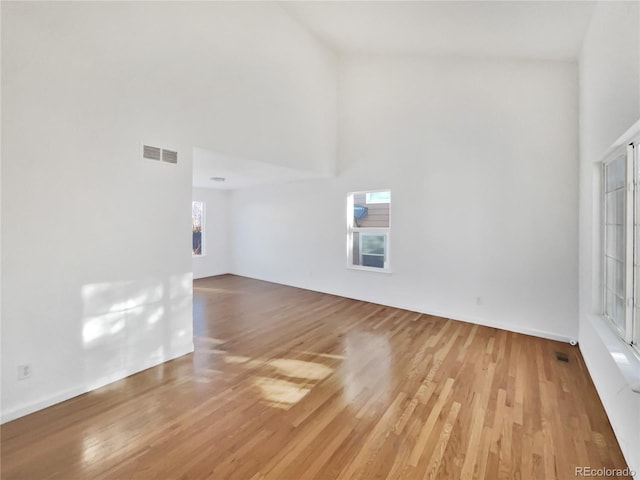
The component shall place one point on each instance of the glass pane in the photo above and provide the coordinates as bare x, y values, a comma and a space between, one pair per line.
614, 174
609, 208
619, 318
614, 242
636, 320
609, 304
610, 241
619, 240
619, 276
373, 244
355, 260
371, 209
373, 261
379, 197
618, 217
197, 209
610, 273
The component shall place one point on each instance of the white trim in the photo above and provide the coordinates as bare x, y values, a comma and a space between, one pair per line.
369, 269
631, 135
629, 244
634, 332
59, 397
446, 315
622, 354
617, 154
620, 342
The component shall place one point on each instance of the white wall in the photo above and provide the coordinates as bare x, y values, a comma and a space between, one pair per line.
95, 261
217, 249
481, 159
609, 105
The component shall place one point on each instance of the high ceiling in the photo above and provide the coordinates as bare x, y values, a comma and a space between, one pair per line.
548, 30
544, 30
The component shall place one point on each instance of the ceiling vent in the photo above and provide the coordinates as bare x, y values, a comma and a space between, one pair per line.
169, 156
152, 153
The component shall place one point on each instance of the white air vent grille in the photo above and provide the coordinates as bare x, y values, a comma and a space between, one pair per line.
169, 156
152, 153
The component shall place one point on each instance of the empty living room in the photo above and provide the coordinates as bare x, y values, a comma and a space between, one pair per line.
414, 249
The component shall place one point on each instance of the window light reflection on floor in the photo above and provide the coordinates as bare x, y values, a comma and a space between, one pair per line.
280, 393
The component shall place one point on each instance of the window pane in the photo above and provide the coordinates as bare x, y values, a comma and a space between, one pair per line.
619, 207
619, 239
619, 279
609, 208
620, 313
355, 260
368, 212
373, 244
373, 250
636, 328
197, 209
376, 261
379, 197
615, 241
614, 174
609, 304
610, 273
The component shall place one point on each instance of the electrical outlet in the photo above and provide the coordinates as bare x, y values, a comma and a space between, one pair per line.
24, 372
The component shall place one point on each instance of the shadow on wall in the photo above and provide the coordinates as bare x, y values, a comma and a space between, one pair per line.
130, 325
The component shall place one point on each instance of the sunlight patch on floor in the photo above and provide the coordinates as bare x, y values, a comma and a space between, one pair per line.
300, 368
233, 359
280, 393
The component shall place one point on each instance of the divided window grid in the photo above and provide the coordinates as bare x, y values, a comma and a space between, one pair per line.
621, 237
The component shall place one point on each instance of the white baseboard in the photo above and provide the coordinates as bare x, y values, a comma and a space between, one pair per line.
62, 396
450, 315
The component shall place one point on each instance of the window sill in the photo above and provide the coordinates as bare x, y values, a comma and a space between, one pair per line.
199, 256
623, 355
369, 269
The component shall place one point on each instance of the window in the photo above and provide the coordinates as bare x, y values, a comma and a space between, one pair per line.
368, 215
197, 227
614, 241
621, 241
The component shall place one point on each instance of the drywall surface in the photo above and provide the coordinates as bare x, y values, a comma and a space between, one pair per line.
609, 105
96, 258
482, 161
216, 258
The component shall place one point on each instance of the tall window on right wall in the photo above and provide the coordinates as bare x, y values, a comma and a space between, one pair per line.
621, 242
368, 226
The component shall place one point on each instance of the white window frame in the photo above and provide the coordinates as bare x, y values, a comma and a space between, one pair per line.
629, 332
352, 229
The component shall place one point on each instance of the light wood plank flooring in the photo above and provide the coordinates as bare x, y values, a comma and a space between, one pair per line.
293, 384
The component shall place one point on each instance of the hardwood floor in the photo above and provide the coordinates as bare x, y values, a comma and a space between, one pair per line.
293, 384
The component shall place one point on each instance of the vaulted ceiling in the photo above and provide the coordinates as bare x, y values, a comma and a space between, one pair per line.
548, 30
